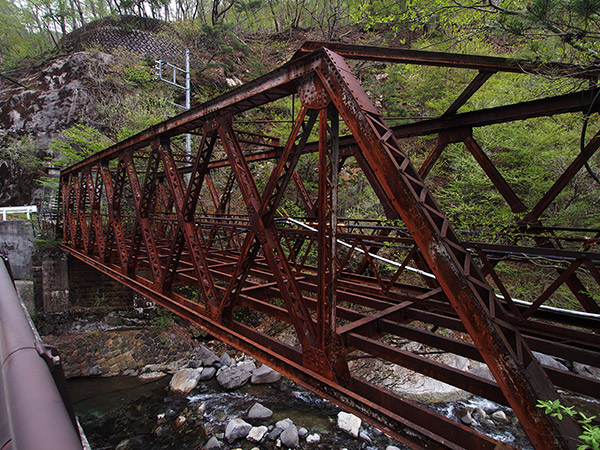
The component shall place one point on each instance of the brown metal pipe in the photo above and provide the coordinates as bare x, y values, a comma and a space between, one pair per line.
36, 415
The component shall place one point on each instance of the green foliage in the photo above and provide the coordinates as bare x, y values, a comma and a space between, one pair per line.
164, 319
218, 41
101, 303
530, 155
573, 24
130, 103
22, 164
44, 244
138, 75
19, 38
79, 142
22, 154
567, 29
136, 114
591, 433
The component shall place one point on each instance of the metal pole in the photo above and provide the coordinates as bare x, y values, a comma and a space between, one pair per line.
187, 88
188, 142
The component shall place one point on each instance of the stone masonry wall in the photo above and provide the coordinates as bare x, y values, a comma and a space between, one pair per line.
112, 353
90, 288
139, 35
53, 282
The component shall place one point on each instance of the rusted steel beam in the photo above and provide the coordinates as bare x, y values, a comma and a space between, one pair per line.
446, 127
406, 421
325, 270
460, 279
267, 238
67, 210
456, 377
568, 103
95, 232
432, 157
268, 88
441, 59
80, 191
185, 204
306, 200
113, 194
469, 91
563, 180
143, 199
516, 205
328, 340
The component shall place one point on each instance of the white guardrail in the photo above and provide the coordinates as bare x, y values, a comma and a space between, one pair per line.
4, 210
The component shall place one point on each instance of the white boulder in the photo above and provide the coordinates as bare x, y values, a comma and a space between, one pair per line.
348, 423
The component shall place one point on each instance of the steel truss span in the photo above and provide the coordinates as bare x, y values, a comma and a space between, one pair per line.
209, 237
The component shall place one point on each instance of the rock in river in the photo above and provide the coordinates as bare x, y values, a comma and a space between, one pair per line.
348, 423
236, 429
265, 375
259, 412
212, 444
184, 381
289, 437
257, 434
233, 378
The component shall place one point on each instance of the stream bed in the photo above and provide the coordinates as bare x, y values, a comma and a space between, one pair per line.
125, 413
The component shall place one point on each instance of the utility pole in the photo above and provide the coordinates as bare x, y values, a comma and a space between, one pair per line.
175, 71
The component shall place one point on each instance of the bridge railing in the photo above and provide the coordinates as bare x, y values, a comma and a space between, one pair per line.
33, 415
27, 209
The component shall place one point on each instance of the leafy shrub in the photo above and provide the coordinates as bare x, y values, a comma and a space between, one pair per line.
591, 433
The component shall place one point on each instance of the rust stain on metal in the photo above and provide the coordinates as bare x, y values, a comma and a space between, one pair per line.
215, 232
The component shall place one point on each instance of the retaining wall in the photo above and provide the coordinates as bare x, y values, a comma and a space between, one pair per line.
108, 353
16, 243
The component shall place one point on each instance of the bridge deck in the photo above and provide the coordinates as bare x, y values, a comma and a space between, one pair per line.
208, 239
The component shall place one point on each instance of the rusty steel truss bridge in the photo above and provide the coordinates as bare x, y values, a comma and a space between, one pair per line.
205, 236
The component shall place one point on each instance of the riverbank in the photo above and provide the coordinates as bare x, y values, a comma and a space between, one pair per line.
160, 383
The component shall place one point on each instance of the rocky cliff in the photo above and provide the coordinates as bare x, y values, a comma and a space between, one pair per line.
44, 100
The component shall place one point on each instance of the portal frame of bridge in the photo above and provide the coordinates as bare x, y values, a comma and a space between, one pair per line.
138, 212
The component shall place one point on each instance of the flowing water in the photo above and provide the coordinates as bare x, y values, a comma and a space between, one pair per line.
123, 410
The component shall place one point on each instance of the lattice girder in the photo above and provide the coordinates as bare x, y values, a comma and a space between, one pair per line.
202, 237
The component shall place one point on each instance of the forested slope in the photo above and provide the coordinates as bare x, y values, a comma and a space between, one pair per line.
235, 41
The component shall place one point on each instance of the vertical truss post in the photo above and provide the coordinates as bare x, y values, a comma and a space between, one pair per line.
79, 189
260, 213
67, 209
114, 191
327, 339
95, 231
326, 235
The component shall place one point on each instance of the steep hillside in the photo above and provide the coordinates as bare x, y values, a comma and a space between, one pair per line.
102, 88
102, 83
